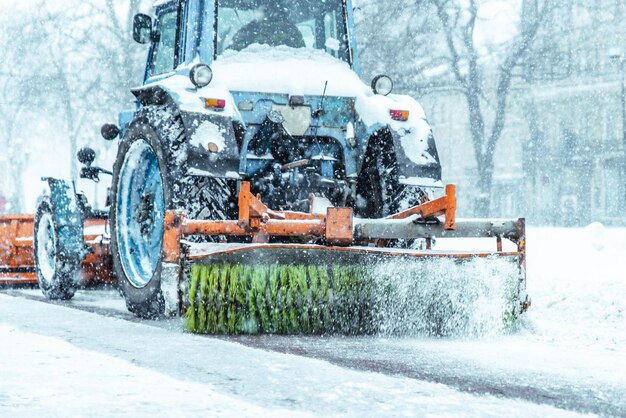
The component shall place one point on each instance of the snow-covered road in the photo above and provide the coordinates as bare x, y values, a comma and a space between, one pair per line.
92, 358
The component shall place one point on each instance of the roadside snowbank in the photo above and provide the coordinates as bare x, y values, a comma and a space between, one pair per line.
577, 280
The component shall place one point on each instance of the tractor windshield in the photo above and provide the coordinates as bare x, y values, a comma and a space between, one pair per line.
295, 23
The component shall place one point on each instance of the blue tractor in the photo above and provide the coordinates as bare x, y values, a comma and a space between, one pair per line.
264, 93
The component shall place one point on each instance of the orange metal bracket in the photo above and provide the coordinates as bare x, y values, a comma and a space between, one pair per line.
445, 205
259, 222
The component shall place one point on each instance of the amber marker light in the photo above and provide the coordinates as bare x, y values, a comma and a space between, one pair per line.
215, 104
212, 148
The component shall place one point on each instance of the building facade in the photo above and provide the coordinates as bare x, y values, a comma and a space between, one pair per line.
562, 156
575, 80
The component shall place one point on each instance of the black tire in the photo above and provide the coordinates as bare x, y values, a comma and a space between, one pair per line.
379, 192
58, 272
200, 198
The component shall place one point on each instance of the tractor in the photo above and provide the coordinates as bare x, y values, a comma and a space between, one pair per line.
257, 160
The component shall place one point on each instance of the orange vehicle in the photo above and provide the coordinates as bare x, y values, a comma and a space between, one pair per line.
17, 260
17, 257
23, 261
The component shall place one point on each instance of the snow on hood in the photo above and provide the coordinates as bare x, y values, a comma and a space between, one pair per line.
261, 68
266, 69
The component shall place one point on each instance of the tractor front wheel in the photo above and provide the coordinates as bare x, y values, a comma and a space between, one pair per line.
149, 178
140, 198
58, 271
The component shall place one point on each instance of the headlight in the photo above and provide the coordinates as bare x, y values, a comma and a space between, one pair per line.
382, 84
201, 75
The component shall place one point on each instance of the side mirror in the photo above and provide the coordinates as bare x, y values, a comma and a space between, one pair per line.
142, 28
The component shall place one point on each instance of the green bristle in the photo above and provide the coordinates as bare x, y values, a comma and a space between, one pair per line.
259, 283
347, 306
292, 301
282, 300
274, 284
212, 279
203, 299
247, 323
303, 300
190, 315
325, 300
222, 316
315, 300
251, 324
234, 285
339, 302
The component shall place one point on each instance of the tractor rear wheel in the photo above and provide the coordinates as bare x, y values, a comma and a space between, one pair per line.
58, 271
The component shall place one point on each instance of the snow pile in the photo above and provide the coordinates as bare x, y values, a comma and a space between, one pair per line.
577, 280
445, 297
208, 132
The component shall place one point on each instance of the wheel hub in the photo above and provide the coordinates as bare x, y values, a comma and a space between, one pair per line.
46, 248
145, 213
139, 212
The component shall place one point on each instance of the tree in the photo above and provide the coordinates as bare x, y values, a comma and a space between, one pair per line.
470, 68
403, 43
72, 69
93, 56
19, 82
432, 46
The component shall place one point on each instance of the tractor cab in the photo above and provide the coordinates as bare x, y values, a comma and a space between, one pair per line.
185, 31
